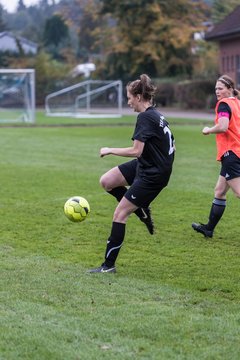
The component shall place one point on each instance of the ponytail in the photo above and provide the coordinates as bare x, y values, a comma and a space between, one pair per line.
143, 87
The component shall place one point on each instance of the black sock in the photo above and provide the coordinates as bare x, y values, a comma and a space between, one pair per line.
114, 243
217, 210
119, 192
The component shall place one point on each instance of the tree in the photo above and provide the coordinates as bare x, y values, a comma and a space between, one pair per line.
158, 42
55, 31
91, 29
221, 9
56, 36
86, 26
2, 22
21, 6
205, 62
43, 3
49, 73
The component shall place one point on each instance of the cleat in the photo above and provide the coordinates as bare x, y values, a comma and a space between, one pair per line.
147, 220
202, 228
102, 269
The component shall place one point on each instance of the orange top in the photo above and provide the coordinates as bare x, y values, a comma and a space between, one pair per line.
229, 140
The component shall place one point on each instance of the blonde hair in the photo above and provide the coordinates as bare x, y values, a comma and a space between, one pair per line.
143, 87
229, 83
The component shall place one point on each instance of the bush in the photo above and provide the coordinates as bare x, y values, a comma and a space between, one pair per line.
196, 94
165, 94
49, 73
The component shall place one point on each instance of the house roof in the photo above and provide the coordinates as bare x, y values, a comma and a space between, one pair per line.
8, 42
22, 39
228, 27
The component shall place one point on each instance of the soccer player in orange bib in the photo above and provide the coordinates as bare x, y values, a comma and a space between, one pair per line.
227, 130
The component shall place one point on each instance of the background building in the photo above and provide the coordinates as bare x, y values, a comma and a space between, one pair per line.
14, 44
227, 35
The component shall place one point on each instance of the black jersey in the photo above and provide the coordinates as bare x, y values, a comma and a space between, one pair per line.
158, 153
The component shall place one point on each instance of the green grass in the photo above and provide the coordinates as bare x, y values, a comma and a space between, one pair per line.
127, 120
176, 295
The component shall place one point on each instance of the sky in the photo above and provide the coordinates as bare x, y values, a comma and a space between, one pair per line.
10, 5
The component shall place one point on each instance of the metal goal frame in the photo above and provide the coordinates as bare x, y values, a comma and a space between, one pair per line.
17, 100
83, 96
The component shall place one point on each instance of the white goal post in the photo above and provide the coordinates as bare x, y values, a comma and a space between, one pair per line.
87, 99
17, 95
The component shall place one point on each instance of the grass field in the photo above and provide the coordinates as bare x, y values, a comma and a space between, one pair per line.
176, 294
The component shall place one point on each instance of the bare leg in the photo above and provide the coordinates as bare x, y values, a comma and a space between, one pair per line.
234, 184
221, 188
112, 179
124, 209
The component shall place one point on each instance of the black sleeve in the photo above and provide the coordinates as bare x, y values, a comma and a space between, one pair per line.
140, 132
224, 107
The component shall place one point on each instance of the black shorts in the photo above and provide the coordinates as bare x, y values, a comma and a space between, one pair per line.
230, 166
140, 192
129, 170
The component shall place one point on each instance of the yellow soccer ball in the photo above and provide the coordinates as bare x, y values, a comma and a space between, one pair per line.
76, 208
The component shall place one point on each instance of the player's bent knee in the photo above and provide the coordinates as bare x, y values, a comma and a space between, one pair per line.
104, 182
101, 181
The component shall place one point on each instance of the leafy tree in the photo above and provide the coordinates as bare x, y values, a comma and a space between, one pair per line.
30, 22
43, 3
5, 57
86, 26
21, 6
55, 30
2, 22
21, 20
49, 73
56, 37
91, 29
158, 42
205, 62
221, 9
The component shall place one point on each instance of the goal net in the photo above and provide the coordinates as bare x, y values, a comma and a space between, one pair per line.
17, 95
90, 98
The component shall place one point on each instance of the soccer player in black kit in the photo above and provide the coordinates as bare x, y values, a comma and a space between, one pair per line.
136, 183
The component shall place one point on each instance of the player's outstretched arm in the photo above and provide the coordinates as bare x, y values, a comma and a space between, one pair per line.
133, 151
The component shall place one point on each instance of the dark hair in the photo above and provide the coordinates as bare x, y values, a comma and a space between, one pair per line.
142, 87
229, 83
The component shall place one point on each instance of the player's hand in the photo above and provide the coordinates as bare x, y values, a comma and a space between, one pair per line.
206, 130
104, 151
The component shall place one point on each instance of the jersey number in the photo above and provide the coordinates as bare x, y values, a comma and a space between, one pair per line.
167, 131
